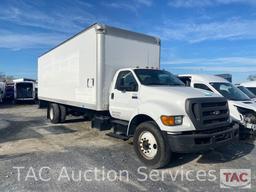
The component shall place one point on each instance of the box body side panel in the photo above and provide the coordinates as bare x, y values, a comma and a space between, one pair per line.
68, 73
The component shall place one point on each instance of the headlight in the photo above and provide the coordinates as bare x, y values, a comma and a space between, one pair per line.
172, 120
250, 118
248, 115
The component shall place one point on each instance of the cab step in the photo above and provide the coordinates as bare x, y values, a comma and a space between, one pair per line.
119, 129
118, 136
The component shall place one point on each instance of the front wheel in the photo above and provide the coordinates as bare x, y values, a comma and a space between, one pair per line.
151, 145
54, 113
63, 113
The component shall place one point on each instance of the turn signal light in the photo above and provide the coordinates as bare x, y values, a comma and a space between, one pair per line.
171, 120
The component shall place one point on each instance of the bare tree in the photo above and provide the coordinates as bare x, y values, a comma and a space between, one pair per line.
4, 77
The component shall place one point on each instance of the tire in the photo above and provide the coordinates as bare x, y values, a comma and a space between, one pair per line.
54, 113
159, 152
244, 133
63, 113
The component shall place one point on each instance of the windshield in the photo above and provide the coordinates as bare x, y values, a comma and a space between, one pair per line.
157, 77
252, 89
247, 92
230, 92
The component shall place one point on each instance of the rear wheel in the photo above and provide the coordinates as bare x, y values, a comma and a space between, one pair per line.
54, 113
151, 145
63, 113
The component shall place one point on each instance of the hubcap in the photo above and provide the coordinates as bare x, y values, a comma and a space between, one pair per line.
51, 113
148, 145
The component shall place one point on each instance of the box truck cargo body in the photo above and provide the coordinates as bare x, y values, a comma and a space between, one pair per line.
112, 76
79, 71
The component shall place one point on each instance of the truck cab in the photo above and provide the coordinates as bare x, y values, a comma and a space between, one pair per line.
242, 108
24, 90
164, 116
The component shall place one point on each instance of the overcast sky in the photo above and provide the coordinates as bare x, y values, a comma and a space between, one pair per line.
198, 36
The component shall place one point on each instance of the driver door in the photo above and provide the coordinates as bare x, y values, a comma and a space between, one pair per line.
124, 97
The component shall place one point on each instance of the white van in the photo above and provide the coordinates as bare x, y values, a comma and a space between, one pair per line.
251, 85
247, 92
242, 108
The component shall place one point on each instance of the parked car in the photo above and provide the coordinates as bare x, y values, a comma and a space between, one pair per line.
242, 108
247, 92
113, 76
251, 85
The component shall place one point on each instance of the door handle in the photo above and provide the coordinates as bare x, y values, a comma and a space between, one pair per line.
134, 97
112, 95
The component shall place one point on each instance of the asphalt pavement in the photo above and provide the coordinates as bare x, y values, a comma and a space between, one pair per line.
36, 155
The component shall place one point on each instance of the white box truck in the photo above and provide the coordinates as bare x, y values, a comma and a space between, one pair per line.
113, 76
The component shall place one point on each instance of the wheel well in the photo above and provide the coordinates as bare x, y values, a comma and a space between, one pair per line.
136, 121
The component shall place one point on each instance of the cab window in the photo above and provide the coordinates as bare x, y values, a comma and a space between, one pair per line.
186, 81
126, 82
202, 86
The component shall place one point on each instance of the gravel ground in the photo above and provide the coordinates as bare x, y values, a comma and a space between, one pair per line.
38, 156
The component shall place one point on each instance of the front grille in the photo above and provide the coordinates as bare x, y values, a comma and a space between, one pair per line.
207, 131
214, 112
208, 113
214, 104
